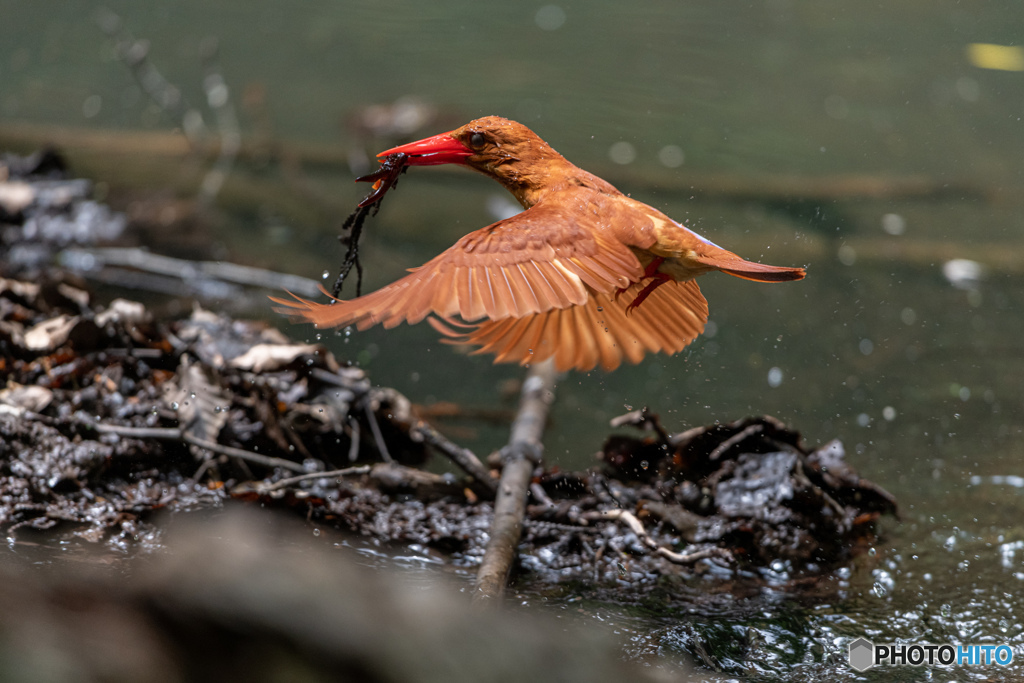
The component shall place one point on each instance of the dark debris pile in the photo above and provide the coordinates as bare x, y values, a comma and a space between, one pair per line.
107, 414
751, 487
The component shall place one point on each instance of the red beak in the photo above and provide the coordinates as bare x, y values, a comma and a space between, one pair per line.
440, 149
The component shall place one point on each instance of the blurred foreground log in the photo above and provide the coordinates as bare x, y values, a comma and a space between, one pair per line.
248, 597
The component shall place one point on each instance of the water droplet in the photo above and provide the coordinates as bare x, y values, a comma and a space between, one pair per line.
316, 532
550, 17
894, 224
622, 152
600, 308
879, 590
326, 274
217, 409
644, 464
946, 610
627, 406
318, 336
872, 552
174, 406
192, 395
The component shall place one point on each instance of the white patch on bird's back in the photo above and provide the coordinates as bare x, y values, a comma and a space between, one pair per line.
701, 237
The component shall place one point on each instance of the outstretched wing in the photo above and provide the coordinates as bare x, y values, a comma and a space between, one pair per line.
599, 331
552, 256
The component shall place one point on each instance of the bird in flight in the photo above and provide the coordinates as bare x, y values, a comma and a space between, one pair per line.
585, 275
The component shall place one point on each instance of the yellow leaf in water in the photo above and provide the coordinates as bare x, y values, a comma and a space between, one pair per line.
1001, 57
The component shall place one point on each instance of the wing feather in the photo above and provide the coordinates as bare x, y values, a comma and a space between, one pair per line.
542, 284
597, 332
570, 290
547, 257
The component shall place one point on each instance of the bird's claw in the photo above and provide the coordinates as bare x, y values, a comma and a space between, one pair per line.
658, 281
651, 271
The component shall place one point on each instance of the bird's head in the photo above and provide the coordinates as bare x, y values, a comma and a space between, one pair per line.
505, 150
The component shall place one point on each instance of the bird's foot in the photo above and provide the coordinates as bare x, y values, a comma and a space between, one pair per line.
651, 271
658, 281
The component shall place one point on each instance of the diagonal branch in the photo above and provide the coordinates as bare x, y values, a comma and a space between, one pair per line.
523, 452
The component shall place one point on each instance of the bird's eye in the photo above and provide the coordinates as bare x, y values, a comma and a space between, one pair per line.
476, 140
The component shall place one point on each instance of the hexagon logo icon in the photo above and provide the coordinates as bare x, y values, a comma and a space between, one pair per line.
862, 653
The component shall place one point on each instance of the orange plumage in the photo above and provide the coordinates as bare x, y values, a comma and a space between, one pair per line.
585, 275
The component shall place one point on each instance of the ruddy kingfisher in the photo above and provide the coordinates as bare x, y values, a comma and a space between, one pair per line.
585, 275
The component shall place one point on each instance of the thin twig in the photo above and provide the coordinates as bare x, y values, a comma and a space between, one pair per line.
267, 488
353, 446
172, 434
637, 527
721, 449
265, 460
523, 452
463, 457
801, 476
206, 464
541, 496
371, 417
92, 260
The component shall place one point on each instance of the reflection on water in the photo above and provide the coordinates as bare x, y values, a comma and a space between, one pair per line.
912, 362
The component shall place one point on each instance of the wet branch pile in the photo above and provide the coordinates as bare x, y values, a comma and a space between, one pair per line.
109, 405
108, 414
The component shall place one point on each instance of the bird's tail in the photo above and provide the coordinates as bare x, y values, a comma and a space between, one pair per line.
758, 272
